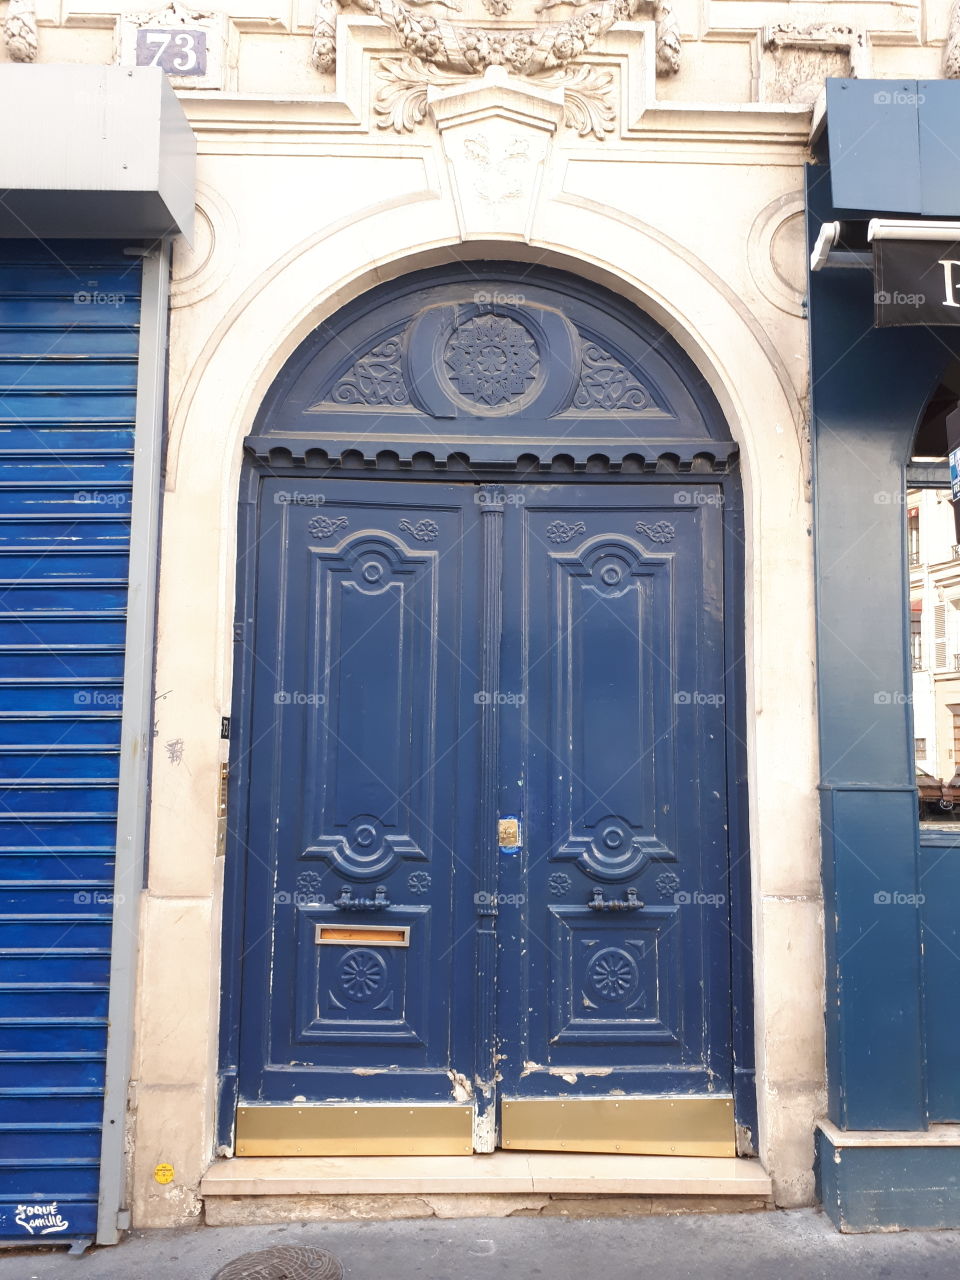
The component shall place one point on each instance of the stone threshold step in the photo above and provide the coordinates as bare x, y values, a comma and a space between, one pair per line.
503, 1172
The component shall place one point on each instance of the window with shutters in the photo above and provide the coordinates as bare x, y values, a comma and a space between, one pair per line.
940, 636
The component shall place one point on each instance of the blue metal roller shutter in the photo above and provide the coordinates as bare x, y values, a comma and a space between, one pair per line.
69, 328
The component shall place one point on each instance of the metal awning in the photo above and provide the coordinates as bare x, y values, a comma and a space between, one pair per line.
97, 152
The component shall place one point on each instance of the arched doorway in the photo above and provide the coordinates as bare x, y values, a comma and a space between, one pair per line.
488, 773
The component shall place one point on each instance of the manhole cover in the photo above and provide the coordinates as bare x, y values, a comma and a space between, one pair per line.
286, 1262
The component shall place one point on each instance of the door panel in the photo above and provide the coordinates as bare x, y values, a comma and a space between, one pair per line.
615, 967
364, 734
429, 658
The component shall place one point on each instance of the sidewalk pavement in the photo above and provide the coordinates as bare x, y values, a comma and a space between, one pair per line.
794, 1245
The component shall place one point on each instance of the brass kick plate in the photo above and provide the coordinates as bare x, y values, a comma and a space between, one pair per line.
637, 1126
347, 935
354, 1131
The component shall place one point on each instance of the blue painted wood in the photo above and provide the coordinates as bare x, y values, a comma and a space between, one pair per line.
67, 393
888, 1187
939, 883
616, 668
360, 723
650, 766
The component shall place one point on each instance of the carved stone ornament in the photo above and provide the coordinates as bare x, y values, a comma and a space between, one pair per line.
401, 100
20, 31
797, 59
460, 49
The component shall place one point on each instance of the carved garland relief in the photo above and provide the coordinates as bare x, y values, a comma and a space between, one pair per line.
443, 52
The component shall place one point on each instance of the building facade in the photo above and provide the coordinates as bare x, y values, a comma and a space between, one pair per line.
488, 750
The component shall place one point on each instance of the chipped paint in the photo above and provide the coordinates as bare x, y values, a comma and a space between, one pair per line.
570, 1074
485, 1131
484, 1087
462, 1088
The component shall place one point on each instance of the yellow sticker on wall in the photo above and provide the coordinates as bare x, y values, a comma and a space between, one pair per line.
163, 1174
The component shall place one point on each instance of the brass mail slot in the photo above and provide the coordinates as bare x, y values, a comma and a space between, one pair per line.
347, 935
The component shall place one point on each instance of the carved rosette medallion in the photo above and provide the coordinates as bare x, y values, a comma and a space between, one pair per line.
491, 359
362, 974
613, 974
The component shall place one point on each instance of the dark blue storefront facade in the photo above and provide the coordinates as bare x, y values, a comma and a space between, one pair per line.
887, 1155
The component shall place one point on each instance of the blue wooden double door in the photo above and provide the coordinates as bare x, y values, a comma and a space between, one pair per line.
486, 818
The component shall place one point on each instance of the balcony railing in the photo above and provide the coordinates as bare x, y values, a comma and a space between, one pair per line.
917, 662
955, 551
915, 559
956, 662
